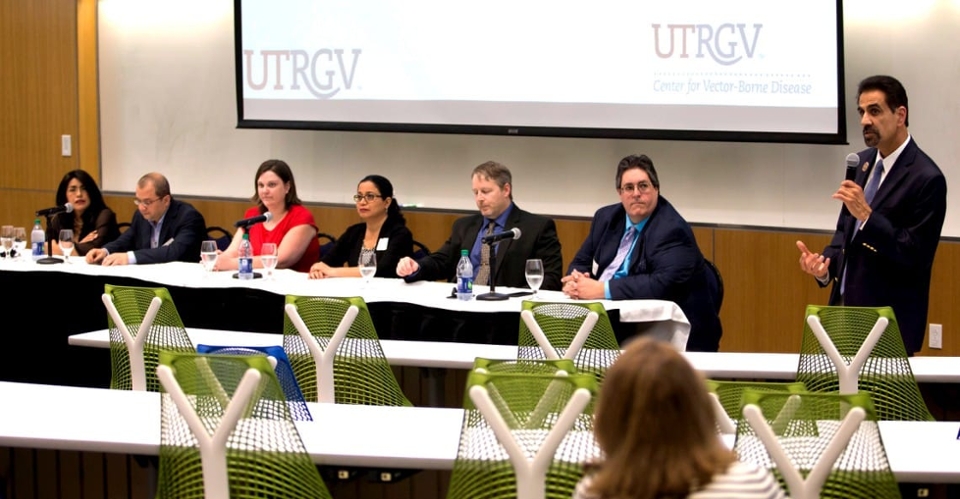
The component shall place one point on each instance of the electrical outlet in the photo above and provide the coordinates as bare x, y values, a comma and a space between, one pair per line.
936, 336
65, 147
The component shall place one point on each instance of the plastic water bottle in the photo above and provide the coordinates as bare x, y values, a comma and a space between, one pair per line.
464, 277
37, 239
245, 260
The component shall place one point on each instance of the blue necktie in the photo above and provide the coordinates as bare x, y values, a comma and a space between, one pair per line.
622, 251
868, 193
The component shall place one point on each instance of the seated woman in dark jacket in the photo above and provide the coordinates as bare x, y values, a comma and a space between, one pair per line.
383, 231
93, 224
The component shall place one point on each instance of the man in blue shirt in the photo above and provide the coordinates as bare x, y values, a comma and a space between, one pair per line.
641, 248
493, 192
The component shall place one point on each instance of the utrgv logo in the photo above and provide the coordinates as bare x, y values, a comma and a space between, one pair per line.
722, 42
317, 71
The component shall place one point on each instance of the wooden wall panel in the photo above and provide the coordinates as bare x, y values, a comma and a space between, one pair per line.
87, 144
766, 292
944, 293
38, 92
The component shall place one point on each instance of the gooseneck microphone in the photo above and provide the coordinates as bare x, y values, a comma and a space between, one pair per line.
852, 162
247, 222
513, 233
56, 210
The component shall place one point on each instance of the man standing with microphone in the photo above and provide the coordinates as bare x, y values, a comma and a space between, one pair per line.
493, 193
889, 226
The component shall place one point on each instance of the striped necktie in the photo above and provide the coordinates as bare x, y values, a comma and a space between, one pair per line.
483, 273
628, 237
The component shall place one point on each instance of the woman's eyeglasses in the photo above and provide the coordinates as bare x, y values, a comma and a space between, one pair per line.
368, 196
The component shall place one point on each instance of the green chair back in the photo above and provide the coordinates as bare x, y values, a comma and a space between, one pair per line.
822, 455
886, 373
361, 372
560, 323
166, 332
263, 455
730, 396
524, 418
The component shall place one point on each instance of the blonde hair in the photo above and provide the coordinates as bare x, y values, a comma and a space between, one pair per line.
655, 426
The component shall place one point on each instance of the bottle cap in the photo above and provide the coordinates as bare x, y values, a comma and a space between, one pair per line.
464, 252
246, 236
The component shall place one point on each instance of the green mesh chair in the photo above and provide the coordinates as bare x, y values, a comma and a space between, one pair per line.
524, 435
335, 352
578, 331
727, 398
850, 349
226, 431
524, 366
823, 445
142, 322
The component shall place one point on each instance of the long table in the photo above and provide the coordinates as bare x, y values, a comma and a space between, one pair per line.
719, 365
63, 300
127, 422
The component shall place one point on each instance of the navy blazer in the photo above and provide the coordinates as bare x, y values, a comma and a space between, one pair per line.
538, 239
180, 236
889, 261
666, 264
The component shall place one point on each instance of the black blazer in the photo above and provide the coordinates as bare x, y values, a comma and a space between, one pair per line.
348, 246
538, 239
666, 264
889, 261
180, 236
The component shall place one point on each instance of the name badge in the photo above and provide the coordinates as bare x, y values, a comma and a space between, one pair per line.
382, 243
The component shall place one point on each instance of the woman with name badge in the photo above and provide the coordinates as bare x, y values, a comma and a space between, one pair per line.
383, 232
290, 225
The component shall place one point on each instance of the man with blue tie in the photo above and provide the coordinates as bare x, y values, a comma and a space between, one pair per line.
492, 185
889, 225
641, 248
163, 229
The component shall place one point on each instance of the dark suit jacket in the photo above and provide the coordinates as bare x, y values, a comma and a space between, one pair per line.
348, 246
666, 264
182, 223
888, 262
538, 239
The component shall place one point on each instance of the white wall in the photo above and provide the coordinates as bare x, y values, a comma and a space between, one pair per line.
168, 103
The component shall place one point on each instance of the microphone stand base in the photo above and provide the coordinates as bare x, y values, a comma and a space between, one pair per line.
492, 296
49, 260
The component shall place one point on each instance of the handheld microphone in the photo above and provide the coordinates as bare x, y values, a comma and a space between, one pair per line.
56, 210
852, 162
513, 233
247, 222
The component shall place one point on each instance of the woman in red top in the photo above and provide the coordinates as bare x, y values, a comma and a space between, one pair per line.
291, 227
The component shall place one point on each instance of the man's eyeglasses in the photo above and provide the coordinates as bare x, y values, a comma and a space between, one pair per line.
368, 196
642, 188
145, 202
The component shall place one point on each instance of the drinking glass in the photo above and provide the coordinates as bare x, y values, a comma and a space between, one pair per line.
534, 273
268, 258
368, 266
66, 244
19, 241
208, 255
6, 240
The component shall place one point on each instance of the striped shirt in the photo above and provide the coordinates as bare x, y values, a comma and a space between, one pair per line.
740, 481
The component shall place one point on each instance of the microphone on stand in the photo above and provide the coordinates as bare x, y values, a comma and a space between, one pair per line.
56, 210
50, 213
513, 233
247, 222
492, 295
853, 161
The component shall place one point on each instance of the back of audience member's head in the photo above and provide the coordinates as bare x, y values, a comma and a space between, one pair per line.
386, 191
655, 426
282, 170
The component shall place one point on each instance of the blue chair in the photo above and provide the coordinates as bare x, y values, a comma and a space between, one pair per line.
288, 382
221, 236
